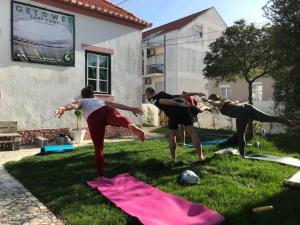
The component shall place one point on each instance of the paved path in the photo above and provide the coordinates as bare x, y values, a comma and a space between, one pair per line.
17, 205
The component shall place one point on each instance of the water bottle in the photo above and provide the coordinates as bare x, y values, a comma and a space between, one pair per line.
257, 144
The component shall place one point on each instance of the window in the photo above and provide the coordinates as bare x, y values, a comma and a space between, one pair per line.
98, 72
257, 91
150, 52
197, 31
225, 91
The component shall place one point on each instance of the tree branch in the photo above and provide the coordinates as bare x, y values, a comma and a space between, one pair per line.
259, 76
247, 78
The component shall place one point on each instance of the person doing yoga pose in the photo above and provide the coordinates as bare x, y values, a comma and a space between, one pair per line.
176, 109
243, 114
194, 111
99, 114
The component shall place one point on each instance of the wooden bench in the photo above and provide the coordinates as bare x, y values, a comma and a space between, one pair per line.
8, 131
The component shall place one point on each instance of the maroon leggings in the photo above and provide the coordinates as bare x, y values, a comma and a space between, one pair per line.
97, 122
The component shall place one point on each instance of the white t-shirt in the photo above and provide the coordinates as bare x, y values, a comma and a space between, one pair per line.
89, 105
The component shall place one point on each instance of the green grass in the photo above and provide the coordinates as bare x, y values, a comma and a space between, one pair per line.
230, 185
205, 134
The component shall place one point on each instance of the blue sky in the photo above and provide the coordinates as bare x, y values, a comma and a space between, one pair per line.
160, 12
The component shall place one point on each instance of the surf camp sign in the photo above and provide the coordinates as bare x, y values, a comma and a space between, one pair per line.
42, 36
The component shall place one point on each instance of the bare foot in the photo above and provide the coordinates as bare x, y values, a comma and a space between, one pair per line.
201, 158
137, 132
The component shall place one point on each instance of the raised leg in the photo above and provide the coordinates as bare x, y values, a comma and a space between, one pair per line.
263, 117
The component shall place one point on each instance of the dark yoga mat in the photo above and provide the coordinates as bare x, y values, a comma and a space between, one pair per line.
210, 142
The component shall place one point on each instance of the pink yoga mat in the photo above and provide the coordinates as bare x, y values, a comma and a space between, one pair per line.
152, 206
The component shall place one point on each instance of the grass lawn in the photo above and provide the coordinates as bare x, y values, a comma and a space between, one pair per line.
230, 185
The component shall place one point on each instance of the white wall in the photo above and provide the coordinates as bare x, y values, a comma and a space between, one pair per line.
31, 92
185, 53
172, 63
171, 58
191, 54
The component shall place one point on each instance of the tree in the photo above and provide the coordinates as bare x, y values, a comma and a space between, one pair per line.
242, 52
285, 41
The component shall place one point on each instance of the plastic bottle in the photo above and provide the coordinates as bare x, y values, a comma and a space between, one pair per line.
257, 144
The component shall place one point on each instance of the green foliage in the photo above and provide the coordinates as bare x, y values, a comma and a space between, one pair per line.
242, 52
257, 126
79, 116
285, 15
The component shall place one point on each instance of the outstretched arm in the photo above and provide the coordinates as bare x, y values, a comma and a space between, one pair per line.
205, 108
182, 100
172, 102
135, 111
61, 110
192, 94
239, 101
212, 102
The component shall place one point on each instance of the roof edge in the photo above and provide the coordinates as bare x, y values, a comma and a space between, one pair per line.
192, 16
75, 7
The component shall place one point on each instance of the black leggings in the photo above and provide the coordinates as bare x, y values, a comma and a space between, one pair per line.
252, 113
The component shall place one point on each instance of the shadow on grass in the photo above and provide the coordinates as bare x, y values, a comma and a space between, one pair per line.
284, 203
59, 181
286, 142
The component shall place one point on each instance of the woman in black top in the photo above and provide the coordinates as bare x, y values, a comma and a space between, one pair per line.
242, 113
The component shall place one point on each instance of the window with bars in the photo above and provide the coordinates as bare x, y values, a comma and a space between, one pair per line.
98, 72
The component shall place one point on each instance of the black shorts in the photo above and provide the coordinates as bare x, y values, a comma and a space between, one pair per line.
194, 111
180, 117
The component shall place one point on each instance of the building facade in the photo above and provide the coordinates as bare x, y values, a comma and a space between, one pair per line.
262, 89
173, 54
103, 36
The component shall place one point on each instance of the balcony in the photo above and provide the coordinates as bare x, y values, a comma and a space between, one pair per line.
155, 69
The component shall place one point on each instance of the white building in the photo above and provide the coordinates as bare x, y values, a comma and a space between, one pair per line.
187, 40
99, 38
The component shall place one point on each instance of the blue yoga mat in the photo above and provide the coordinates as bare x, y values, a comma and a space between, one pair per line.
210, 142
56, 148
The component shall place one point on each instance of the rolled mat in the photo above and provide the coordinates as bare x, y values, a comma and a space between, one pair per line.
56, 148
152, 206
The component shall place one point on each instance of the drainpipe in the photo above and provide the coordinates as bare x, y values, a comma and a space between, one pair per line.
165, 67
